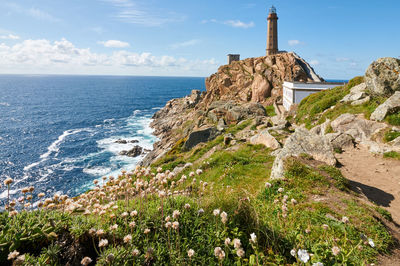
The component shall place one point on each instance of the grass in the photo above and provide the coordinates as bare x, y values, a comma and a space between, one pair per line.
391, 135
393, 119
270, 110
392, 154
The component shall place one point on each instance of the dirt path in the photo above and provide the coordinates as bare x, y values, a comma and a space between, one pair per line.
378, 179
375, 177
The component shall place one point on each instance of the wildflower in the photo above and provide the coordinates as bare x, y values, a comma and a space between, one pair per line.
168, 218
103, 243
146, 231
134, 213
95, 182
219, 253
20, 259
216, 212
268, 185
325, 226
168, 225
318, 264
240, 252
190, 253
135, 252
236, 243
100, 232
345, 220
175, 225
12, 213
199, 171
12, 255
224, 217
159, 170
124, 214
303, 255
280, 190
253, 238
110, 257
200, 211
227, 241
25, 190
335, 251
293, 201
176, 214
132, 224
293, 252
191, 174
308, 230
8, 181
86, 261
127, 238
187, 206
371, 243
114, 227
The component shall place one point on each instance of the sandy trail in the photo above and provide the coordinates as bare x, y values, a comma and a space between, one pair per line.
375, 177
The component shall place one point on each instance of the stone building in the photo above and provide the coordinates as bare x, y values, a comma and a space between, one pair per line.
233, 57
272, 36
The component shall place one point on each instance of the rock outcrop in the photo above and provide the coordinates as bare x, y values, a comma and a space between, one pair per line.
134, 152
300, 142
357, 95
257, 79
391, 105
383, 76
200, 136
265, 138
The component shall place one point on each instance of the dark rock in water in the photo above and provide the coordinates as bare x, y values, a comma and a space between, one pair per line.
121, 141
134, 141
200, 136
134, 152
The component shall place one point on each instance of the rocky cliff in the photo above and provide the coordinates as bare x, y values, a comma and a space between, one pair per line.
234, 93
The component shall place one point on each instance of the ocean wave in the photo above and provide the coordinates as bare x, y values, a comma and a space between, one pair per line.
4, 104
156, 108
97, 171
136, 112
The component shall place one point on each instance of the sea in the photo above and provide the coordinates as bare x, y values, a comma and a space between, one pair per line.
59, 133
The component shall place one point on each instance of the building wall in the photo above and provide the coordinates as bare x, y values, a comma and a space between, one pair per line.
272, 37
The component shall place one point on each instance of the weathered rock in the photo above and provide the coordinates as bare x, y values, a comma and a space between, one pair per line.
383, 76
359, 128
121, 141
200, 136
221, 124
356, 93
391, 105
321, 129
179, 169
361, 101
228, 138
265, 138
134, 152
300, 142
340, 140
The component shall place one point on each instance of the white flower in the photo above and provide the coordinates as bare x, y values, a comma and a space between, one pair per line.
303, 255
199, 171
103, 243
240, 252
134, 213
135, 252
127, 238
114, 227
176, 214
345, 220
14, 254
227, 241
200, 211
168, 225
224, 217
190, 253
86, 261
253, 238
335, 251
268, 185
318, 264
219, 253
236, 243
146, 231
187, 206
132, 224
280, 190
371, 243
293, 201
100, 232
325, 226
216, 212
293, 252
175, 225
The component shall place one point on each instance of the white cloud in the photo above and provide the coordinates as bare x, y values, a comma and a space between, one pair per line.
115, 44
314, 62
294, 42
232, 23
130, 12
239, 24
9, 37
63, 57
185, 44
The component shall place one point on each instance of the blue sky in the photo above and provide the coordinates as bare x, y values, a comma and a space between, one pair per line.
340, 38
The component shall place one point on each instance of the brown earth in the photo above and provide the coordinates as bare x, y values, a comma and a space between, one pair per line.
378, 179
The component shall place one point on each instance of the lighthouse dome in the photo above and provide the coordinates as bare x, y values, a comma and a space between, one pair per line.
272, 10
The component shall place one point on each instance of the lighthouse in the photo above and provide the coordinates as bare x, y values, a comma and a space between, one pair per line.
272, 36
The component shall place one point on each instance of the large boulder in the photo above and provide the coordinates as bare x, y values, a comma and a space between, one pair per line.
233, 112
359, 128
200, 136
300, 142
383, 76
356, 93
134, 152
265, 138
391, 105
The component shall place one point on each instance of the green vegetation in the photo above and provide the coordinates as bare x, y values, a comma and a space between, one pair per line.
392, 154
393, 119
391, 135
270, 109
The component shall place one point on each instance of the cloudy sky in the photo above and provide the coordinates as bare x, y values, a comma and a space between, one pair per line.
190, 38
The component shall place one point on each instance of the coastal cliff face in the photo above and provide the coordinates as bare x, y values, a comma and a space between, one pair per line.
257, 79
234, 93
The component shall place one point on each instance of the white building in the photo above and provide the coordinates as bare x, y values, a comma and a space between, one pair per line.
294, 92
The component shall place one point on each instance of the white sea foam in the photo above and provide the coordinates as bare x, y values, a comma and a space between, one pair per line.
4, 104
97, 171
156, 108
28, 167
136, 112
